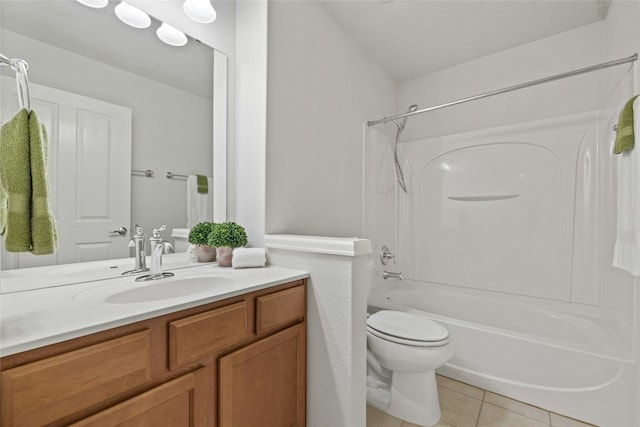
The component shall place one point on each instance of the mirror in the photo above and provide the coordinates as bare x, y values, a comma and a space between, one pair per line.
168, 91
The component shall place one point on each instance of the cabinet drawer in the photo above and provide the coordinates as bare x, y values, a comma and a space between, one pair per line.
44, 391
197, 336
279, 308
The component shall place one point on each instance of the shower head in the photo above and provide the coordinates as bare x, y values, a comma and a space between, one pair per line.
401, 124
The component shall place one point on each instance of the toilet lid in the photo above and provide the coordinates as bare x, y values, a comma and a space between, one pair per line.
406, 328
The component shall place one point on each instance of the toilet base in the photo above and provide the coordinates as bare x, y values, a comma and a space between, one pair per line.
411, 397
378, 392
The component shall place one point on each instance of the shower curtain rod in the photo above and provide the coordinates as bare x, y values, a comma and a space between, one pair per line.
631, 58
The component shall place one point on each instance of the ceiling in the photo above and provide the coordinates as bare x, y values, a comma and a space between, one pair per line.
415, 37
409, 37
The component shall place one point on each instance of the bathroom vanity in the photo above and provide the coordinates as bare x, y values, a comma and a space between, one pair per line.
235, 356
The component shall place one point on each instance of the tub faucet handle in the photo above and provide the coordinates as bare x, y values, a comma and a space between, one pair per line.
386, 255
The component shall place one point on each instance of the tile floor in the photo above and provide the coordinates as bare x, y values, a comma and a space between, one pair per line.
463, 405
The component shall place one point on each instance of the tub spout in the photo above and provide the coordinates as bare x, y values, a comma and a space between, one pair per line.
391, 275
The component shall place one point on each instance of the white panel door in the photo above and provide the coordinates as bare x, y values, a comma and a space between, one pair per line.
89, 174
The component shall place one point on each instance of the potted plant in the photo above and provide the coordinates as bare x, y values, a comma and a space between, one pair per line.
225, 237
199, 236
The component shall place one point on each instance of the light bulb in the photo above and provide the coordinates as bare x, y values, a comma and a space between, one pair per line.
132, 15
199, 10
171, 36
96, 4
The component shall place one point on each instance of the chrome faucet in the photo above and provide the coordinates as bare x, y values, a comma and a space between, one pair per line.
159, 246
138, 242
157, 240
385, 256
391, 275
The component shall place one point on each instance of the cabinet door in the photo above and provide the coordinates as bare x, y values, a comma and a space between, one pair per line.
263, 384
177, 403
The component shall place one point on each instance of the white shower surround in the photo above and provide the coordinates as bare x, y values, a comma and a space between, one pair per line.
506, 238
510, 209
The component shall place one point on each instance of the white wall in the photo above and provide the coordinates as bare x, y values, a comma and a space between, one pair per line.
249, 154
563, 52
322, 88
339, 285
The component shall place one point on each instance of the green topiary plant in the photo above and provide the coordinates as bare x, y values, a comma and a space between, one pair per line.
228, 234
199, 233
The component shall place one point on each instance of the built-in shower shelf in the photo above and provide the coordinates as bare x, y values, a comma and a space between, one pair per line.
486, 198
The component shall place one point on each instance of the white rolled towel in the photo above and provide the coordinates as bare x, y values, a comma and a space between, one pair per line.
249, 257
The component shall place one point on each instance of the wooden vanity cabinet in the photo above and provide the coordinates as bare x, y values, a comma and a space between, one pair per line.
236, 362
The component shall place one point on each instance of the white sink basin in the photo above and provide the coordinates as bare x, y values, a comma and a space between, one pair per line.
130, 291
165, 290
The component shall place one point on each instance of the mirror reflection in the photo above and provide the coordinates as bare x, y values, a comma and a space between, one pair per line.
115, 100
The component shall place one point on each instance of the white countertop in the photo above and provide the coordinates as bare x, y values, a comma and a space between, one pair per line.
24, 279
39, 317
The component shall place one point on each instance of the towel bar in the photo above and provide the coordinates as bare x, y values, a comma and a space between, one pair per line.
171, 175
148, 172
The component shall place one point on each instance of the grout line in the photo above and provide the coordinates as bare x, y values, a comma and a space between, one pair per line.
484, 393
519, 413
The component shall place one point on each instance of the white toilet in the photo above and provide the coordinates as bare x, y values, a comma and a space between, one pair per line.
403, 351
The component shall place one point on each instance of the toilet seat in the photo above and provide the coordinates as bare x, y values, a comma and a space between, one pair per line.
406, 328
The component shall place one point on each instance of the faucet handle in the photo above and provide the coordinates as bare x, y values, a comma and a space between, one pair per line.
156, 232
136, 237
386, 255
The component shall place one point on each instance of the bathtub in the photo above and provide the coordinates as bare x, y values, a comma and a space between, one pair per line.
567, 363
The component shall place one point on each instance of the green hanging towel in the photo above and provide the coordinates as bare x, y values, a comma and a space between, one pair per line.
43, 231
203, 185
624, 133
15, 177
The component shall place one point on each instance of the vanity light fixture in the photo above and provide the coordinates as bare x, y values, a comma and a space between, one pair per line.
199, 10
171, 36
96, 4
132, 16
